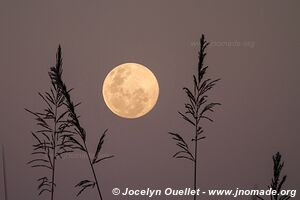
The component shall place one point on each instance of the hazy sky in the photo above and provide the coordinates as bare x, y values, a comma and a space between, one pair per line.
254, 50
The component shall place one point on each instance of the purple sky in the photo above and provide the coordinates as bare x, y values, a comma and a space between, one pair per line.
255, 51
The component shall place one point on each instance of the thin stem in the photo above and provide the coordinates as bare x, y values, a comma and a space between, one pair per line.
54, 156
93, 170
4, 173
195, 157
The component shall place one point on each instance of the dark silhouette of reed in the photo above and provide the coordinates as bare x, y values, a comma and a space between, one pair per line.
50, 136
76, 140
4, 173
59, 132
277, 182
197, 109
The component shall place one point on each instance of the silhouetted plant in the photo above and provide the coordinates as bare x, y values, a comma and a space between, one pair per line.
197, 109
77, 137
59, 132
50, 136
277, 181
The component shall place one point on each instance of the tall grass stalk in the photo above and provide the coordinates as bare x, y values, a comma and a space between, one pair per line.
196, 111
77, 137
50, 137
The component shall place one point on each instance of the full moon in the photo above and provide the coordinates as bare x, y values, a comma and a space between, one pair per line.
130, 90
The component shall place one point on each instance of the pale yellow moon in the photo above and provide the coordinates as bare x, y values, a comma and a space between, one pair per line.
130, 90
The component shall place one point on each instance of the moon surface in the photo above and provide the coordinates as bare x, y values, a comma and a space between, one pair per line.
130, 90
